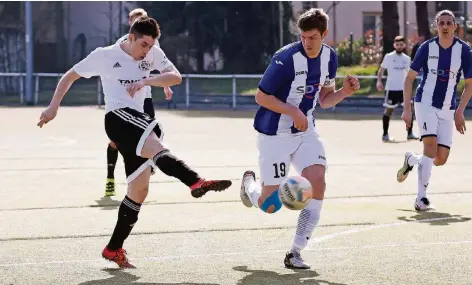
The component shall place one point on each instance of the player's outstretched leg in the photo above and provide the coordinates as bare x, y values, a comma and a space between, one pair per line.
112, 157
170, 165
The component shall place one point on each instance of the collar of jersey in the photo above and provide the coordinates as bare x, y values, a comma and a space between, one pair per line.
454, 41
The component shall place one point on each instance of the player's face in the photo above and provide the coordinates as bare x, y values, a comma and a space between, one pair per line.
312, 41
399, 46
141, 46
446, 26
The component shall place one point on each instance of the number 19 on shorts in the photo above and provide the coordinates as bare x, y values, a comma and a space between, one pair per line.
279, 169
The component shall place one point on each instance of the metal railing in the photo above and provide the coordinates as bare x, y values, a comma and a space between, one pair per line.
195, 88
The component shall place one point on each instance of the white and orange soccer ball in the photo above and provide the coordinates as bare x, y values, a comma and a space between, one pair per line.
295, 192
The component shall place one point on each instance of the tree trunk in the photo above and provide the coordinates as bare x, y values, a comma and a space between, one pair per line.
390, 28
422, 19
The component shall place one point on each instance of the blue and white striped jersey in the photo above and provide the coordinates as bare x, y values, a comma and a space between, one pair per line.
442, 69
296, 79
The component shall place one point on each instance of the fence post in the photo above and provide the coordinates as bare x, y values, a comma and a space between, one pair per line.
187, 91
22, 90
36, 90
351, 48
99, 92
234, 92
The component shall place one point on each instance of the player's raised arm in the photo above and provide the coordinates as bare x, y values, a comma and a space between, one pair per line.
87, 68
169, 74
328, 96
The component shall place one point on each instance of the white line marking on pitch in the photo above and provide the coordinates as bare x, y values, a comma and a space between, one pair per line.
309, 247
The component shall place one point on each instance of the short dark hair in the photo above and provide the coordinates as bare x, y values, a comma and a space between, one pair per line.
445, 13
145, 26
315, 18
400, 39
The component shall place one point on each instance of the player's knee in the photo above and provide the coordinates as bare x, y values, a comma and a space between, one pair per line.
112, 145
272, 203
388, 112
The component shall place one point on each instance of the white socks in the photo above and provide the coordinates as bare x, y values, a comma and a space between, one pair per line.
253, 190
425, 166
414, 159
307, 222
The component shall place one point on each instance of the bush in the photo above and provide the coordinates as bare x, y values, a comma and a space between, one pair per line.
368, 86
345, 57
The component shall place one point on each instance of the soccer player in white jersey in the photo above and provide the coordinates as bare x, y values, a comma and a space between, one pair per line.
137, 136
443, 60
396, 63
112, 151
299, 76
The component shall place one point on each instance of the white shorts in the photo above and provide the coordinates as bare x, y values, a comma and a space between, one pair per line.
276, 153
435, 122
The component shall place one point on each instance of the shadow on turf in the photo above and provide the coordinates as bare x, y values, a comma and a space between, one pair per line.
305, 277
107, 203
446, 218
122, 277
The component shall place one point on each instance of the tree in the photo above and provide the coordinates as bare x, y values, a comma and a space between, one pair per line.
244, 33
391, 28
422, 19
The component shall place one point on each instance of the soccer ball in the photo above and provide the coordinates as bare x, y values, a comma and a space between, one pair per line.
295, 192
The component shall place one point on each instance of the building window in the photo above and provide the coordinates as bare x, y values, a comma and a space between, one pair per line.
371, 27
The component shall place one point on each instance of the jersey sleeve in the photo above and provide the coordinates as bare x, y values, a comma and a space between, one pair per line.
421, 57
277, 73
160, 60
385, 62
332, 68
91, 65
467, 61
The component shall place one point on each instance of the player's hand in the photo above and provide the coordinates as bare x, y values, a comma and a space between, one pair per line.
406, 116
300, 121
380, 86
135, 87
350, 85
47, 115
168, 93
460, 121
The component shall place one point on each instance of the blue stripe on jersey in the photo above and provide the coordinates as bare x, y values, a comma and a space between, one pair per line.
267, 121
420, 63
444, 65
313, 86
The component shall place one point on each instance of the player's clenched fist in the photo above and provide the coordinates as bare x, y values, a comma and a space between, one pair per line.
47, 115
351, 85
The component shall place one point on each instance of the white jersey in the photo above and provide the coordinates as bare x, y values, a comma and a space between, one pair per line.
397, 66
156, 43
117, 70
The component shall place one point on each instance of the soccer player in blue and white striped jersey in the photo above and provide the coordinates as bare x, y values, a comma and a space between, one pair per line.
443, 60
300, 75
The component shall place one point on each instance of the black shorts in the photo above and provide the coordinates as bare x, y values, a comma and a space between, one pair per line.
393, 99
149, 107
128, 129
